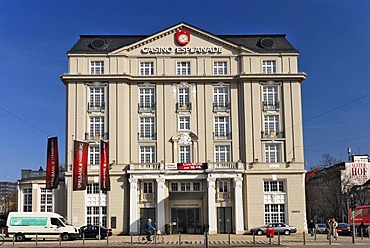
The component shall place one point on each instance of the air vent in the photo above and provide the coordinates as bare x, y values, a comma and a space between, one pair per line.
268, 42
99, 43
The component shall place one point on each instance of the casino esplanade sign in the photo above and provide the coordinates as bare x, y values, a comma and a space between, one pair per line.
182, 38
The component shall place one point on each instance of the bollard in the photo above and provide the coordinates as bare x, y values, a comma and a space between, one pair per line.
304, 238
83, 239
278, 238
228, 236
60, 240
329, 238
107, 239
270, 238
314, 237
131, 238
179, 238
207, 239
13, 239
254, 238
155, 238
362, 234
37, 238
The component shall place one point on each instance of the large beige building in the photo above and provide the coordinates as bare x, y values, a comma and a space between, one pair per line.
202, 129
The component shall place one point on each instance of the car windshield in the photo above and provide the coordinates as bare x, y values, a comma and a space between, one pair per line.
343, 225
64, 221
321, 225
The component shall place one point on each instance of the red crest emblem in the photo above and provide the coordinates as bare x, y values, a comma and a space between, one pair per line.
183, 37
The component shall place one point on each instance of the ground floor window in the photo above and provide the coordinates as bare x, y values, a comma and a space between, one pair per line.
46, 201
93, 216
274, 213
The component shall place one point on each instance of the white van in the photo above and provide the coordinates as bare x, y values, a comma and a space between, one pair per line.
24, 225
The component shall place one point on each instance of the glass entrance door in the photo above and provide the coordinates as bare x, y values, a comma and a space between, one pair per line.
186, 220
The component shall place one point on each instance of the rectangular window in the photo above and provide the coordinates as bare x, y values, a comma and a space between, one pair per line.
146, 68
273, 186
269, 66
220, 68
146, 98
271, 126
272, 153
223, 186
222, 153
184, 123
184, 95
147, 154
92, 188
221, 127
174, 187
96, 98
221, 99
147, 128
96, 127
183, 68
92, 215
46, 201
196, 187
185, 155
270, 98
274, 213
147, 187
96, 67
27, 199
185, 186
94, 154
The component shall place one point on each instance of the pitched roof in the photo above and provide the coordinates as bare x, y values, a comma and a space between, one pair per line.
107, 43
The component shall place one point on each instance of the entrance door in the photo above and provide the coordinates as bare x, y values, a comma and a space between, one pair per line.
186, 220
224, 215
145, 214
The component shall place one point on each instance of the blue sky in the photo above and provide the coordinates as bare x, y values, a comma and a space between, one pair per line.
333, 37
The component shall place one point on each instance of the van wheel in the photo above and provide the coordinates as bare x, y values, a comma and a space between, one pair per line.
66, 237
19, 237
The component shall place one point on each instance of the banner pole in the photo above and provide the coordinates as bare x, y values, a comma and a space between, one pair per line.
100, 161
72, 160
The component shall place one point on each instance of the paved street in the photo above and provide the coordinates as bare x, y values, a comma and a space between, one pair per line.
187, 241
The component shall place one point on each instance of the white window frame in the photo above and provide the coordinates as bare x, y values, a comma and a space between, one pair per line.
147, 128
46, 200
221, 94
96, 126
96, 97
275, 213
94, 154
269, 66
222, 153
147, 97
220, 68
146, 68
183, 68
184, 95
147, 154
27, 199
96, 67
270, 93
183, 122
92, 205
185, 154
272, 152
271, 123
222, 127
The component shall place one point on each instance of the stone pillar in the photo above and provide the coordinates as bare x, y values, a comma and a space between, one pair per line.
238, 200
134, 216
160, 204
212, 216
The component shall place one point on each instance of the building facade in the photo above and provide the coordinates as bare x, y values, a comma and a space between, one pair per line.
202, 129
34, 197
328, 190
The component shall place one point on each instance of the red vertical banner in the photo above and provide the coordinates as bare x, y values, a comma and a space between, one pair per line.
80, 165
104, 166
52, 164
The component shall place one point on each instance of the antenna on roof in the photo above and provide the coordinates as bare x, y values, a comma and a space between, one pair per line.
349, 153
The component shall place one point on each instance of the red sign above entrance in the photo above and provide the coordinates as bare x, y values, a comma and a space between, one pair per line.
192, 166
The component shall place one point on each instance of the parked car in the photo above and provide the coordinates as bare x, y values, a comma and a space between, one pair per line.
321, 228
344, 229
278, 228
92, 231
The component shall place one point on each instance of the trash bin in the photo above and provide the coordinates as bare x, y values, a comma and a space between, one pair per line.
270, 232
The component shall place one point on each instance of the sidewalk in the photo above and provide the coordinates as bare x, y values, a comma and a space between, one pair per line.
187, 240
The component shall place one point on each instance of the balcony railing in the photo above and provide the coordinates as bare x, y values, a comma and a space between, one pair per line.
272, 134
147, 197
144, 166
270, 105
221, 106
96, 136
147, 107
221, 135
223, 196
96, 106
147, 136
183, 106
225, 166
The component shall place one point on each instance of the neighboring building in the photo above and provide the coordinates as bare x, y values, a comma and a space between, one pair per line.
34, 197
328, 190
8, 192
202, 129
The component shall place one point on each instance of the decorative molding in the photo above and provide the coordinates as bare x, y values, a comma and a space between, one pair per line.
97, 84
185, 139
